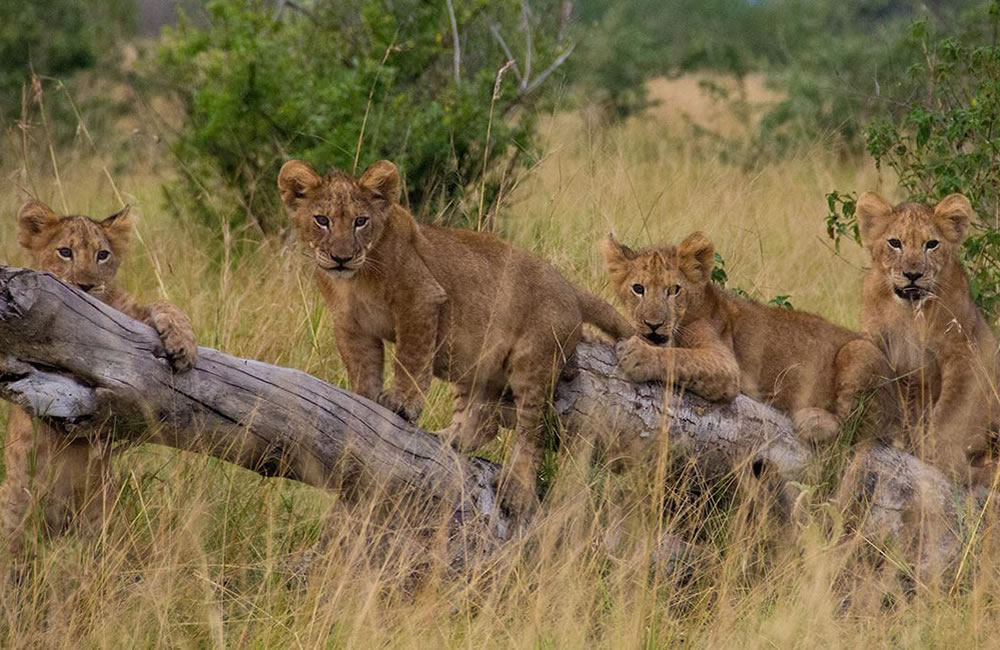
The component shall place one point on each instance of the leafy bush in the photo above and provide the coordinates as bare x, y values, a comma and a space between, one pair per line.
948, 140
342, 84
55, 38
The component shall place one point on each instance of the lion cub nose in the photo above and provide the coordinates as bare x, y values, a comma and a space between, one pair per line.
653, 326
913, 276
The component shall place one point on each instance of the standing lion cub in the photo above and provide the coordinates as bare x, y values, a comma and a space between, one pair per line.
460, 305
69, 480
918, 306
717, 344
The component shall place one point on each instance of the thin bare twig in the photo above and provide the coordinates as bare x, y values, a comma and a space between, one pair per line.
454, 37
368, 106
526, 26
565, 16
486, 150
549, 70
39, 97
295, 7
506, 50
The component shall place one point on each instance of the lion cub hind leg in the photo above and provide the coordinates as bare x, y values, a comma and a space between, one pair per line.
533, 365
67, 483
814, 424
476, 420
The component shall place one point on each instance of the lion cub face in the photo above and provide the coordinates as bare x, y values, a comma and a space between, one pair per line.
76, 249
660, 285
911, 243
341, 219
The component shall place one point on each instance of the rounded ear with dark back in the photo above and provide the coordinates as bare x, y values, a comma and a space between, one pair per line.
953, 215
35, 222
696, 256
872, 213
295, 180
616, 258
118, 229
383, 179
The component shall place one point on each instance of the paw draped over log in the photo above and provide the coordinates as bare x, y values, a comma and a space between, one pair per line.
70, 359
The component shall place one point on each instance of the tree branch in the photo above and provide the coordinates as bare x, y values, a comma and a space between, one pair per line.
454, 37
79, 364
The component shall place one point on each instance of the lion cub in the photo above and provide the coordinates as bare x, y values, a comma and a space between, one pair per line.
698, 335
460, 305
69, 479
917, 305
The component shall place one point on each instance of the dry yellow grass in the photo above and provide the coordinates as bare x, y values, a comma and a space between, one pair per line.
197, 553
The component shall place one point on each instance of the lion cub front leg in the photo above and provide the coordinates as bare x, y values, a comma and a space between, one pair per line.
176, 333
959, 424
363, 355
416, 336
858, 367
707, 367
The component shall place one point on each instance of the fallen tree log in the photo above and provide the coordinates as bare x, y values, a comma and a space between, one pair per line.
76, 362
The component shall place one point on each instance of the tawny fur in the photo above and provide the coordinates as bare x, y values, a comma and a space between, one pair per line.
460, 305
68, 480
917, 305
695, 334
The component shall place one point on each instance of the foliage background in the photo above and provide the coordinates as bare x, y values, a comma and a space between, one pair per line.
736, 118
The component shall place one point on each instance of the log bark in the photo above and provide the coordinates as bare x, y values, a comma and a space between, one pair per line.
78, 363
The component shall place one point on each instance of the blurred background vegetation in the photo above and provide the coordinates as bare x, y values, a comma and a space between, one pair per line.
345, 83
237, 86
758, 122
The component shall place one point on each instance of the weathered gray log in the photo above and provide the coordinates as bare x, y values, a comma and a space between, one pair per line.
66, 357
76, 362
893, 497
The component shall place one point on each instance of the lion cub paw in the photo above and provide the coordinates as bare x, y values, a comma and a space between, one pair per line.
639, 360
409, 410
177, 335
815, 424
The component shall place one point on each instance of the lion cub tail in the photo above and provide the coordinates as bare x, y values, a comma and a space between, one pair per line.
598, 312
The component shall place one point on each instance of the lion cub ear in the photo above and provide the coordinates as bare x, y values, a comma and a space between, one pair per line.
616, 258
696, 257
34, 223
872, 213
953, 215
383, 179
118, 229
295, 180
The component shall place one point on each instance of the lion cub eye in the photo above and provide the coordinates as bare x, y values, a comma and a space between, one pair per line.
321, 221
674, 290
361, 222
931, 245
103, 255
638, 289
65, 253
895, 243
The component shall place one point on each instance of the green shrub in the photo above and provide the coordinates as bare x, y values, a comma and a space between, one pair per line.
343, 84
947, 140
54, 38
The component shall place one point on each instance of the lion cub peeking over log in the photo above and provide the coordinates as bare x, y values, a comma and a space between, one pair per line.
695, 334
69, 479
917, 305
460, 305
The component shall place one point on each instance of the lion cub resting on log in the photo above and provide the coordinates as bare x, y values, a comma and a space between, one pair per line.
717, 344
918, 306
69, 479
460, 305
